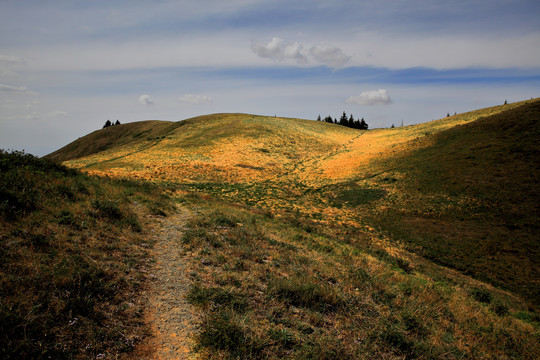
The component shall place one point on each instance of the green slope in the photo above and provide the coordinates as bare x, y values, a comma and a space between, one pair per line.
111, 137
471, 199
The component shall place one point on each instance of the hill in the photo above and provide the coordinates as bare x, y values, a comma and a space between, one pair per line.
313, 239
462, 175
111, 137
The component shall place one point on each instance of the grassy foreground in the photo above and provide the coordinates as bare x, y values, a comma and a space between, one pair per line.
72, 248
286, 288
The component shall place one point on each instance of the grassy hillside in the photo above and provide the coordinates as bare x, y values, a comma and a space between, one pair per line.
470, 177
470, 199
235, 148
285, 288
316, 240
71, 251
112, 137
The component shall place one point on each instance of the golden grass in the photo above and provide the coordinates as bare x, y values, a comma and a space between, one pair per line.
330, 193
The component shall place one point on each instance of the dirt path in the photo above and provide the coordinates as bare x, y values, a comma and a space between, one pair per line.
172, 319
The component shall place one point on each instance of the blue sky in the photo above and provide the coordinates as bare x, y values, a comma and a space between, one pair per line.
68, 66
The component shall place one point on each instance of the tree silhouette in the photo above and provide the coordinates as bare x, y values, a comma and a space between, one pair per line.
343, 120
107, 124
363, 125
117, 122
351, 122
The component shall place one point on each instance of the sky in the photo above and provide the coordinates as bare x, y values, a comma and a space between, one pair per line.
68, 66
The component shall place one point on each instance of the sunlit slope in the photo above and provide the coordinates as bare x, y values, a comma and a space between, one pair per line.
356, 156
220, 147
241, 148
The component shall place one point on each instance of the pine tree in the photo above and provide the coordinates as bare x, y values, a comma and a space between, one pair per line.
117, 122
343, 120
319, 118
351, 122
107, 124
363, 124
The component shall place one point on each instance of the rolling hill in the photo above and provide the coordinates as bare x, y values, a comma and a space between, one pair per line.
472, 177
307, 232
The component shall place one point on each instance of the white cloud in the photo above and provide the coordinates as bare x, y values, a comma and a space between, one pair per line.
57, 113
48, 115
16, 89
10, 59
279, 50
195, 99
31, 104
373, 97
146, 100
329, 55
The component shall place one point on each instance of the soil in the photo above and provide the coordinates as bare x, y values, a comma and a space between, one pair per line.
171, 318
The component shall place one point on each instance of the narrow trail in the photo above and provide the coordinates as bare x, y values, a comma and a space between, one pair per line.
171, 317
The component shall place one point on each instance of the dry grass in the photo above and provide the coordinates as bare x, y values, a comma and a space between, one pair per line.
331, 250
71, 254
281, 289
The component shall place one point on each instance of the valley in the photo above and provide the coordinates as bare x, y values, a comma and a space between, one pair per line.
288, 238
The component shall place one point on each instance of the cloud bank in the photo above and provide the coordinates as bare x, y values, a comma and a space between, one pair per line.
372, 97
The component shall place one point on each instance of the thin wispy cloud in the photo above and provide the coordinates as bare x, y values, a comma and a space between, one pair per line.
372, 97
48, 115
10, 59
195, 99
16, 89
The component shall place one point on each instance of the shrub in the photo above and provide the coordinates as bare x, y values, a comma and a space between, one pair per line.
482, 295
108, 209
499, 308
